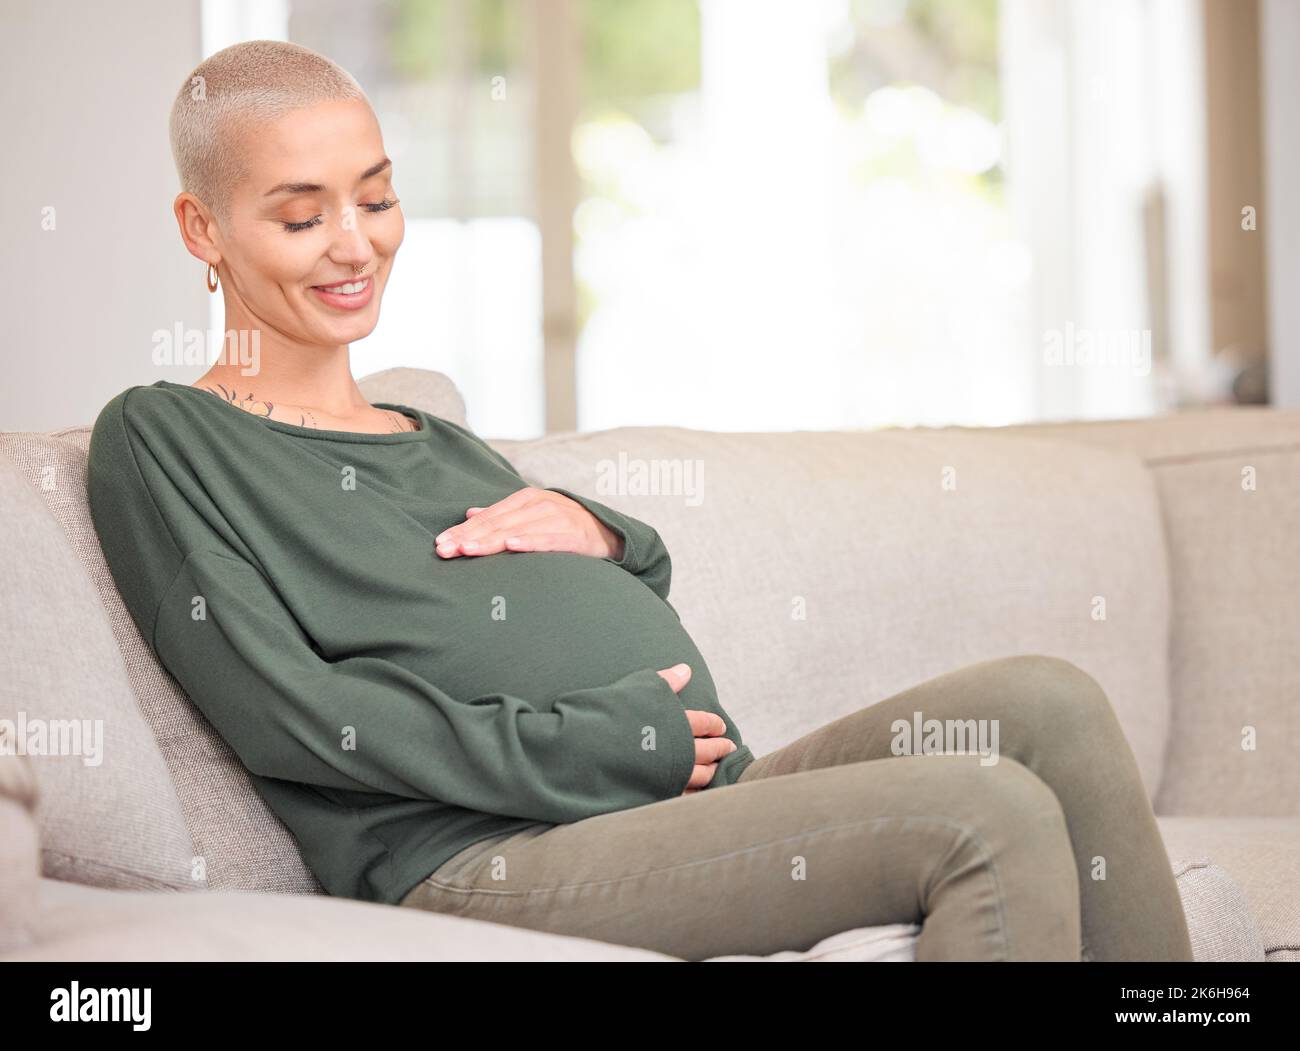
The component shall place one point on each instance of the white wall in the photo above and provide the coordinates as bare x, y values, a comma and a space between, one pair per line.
87, 89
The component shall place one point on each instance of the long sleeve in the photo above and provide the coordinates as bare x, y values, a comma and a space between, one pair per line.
365, 724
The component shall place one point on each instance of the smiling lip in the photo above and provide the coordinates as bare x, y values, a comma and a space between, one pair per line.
330, 295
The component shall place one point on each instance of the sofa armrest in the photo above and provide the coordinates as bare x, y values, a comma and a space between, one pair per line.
20, 859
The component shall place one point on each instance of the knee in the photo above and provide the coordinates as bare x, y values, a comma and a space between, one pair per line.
1059, 691
1011, 794
1017, 823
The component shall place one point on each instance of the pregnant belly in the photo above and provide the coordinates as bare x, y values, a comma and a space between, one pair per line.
538, 624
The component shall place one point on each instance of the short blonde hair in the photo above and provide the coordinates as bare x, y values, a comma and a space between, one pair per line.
250, 83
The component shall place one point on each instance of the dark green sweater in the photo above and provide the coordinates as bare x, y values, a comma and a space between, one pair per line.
392, 706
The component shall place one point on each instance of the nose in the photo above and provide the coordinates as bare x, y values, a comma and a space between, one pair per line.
351, 247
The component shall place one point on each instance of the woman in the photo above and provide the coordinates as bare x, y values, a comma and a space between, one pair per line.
468, 695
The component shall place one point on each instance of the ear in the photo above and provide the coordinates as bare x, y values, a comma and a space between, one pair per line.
198, 227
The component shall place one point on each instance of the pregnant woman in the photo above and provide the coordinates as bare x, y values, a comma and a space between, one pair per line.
468, 695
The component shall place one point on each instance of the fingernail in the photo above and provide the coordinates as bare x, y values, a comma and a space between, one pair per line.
439, 538
681, 669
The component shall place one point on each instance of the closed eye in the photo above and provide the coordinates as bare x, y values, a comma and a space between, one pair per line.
315, 220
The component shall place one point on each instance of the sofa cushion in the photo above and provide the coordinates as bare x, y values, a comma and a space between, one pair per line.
1233, 553
107, 811
1235, 660
1262, 857
434, 392
821, 572
1219, 919
89, 924
84, 923
240, 842
891, 943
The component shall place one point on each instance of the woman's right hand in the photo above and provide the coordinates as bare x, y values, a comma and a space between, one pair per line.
708, 728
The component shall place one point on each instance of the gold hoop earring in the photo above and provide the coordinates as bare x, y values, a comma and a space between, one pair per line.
212, 277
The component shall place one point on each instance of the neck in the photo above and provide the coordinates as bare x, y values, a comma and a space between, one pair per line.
290, 373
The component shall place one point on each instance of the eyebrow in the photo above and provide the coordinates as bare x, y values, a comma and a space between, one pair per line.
315, 187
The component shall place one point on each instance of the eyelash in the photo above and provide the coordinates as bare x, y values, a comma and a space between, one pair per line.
382, 206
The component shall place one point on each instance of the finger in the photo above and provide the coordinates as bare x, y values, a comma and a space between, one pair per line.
701, 775
478, 540
483, 518
677, 676
455, 534
500, 524
713, 749
530, 535
452, 533
541, 542
516, 499
475, 548
705, 724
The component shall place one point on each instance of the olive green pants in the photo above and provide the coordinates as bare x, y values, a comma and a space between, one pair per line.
1045, 848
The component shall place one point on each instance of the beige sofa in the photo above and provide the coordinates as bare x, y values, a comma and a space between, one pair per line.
1132, 548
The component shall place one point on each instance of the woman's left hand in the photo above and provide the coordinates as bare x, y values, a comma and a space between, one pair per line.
530, 519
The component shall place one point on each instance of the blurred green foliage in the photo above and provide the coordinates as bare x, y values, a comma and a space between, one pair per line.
631, 48
420, 39
638, 48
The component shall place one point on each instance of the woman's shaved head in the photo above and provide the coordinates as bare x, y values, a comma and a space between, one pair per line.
237, 88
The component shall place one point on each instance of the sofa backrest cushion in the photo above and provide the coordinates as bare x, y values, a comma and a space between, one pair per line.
820, 572
1229, 484
1235, 662
241, 843
107, 812
434, 392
